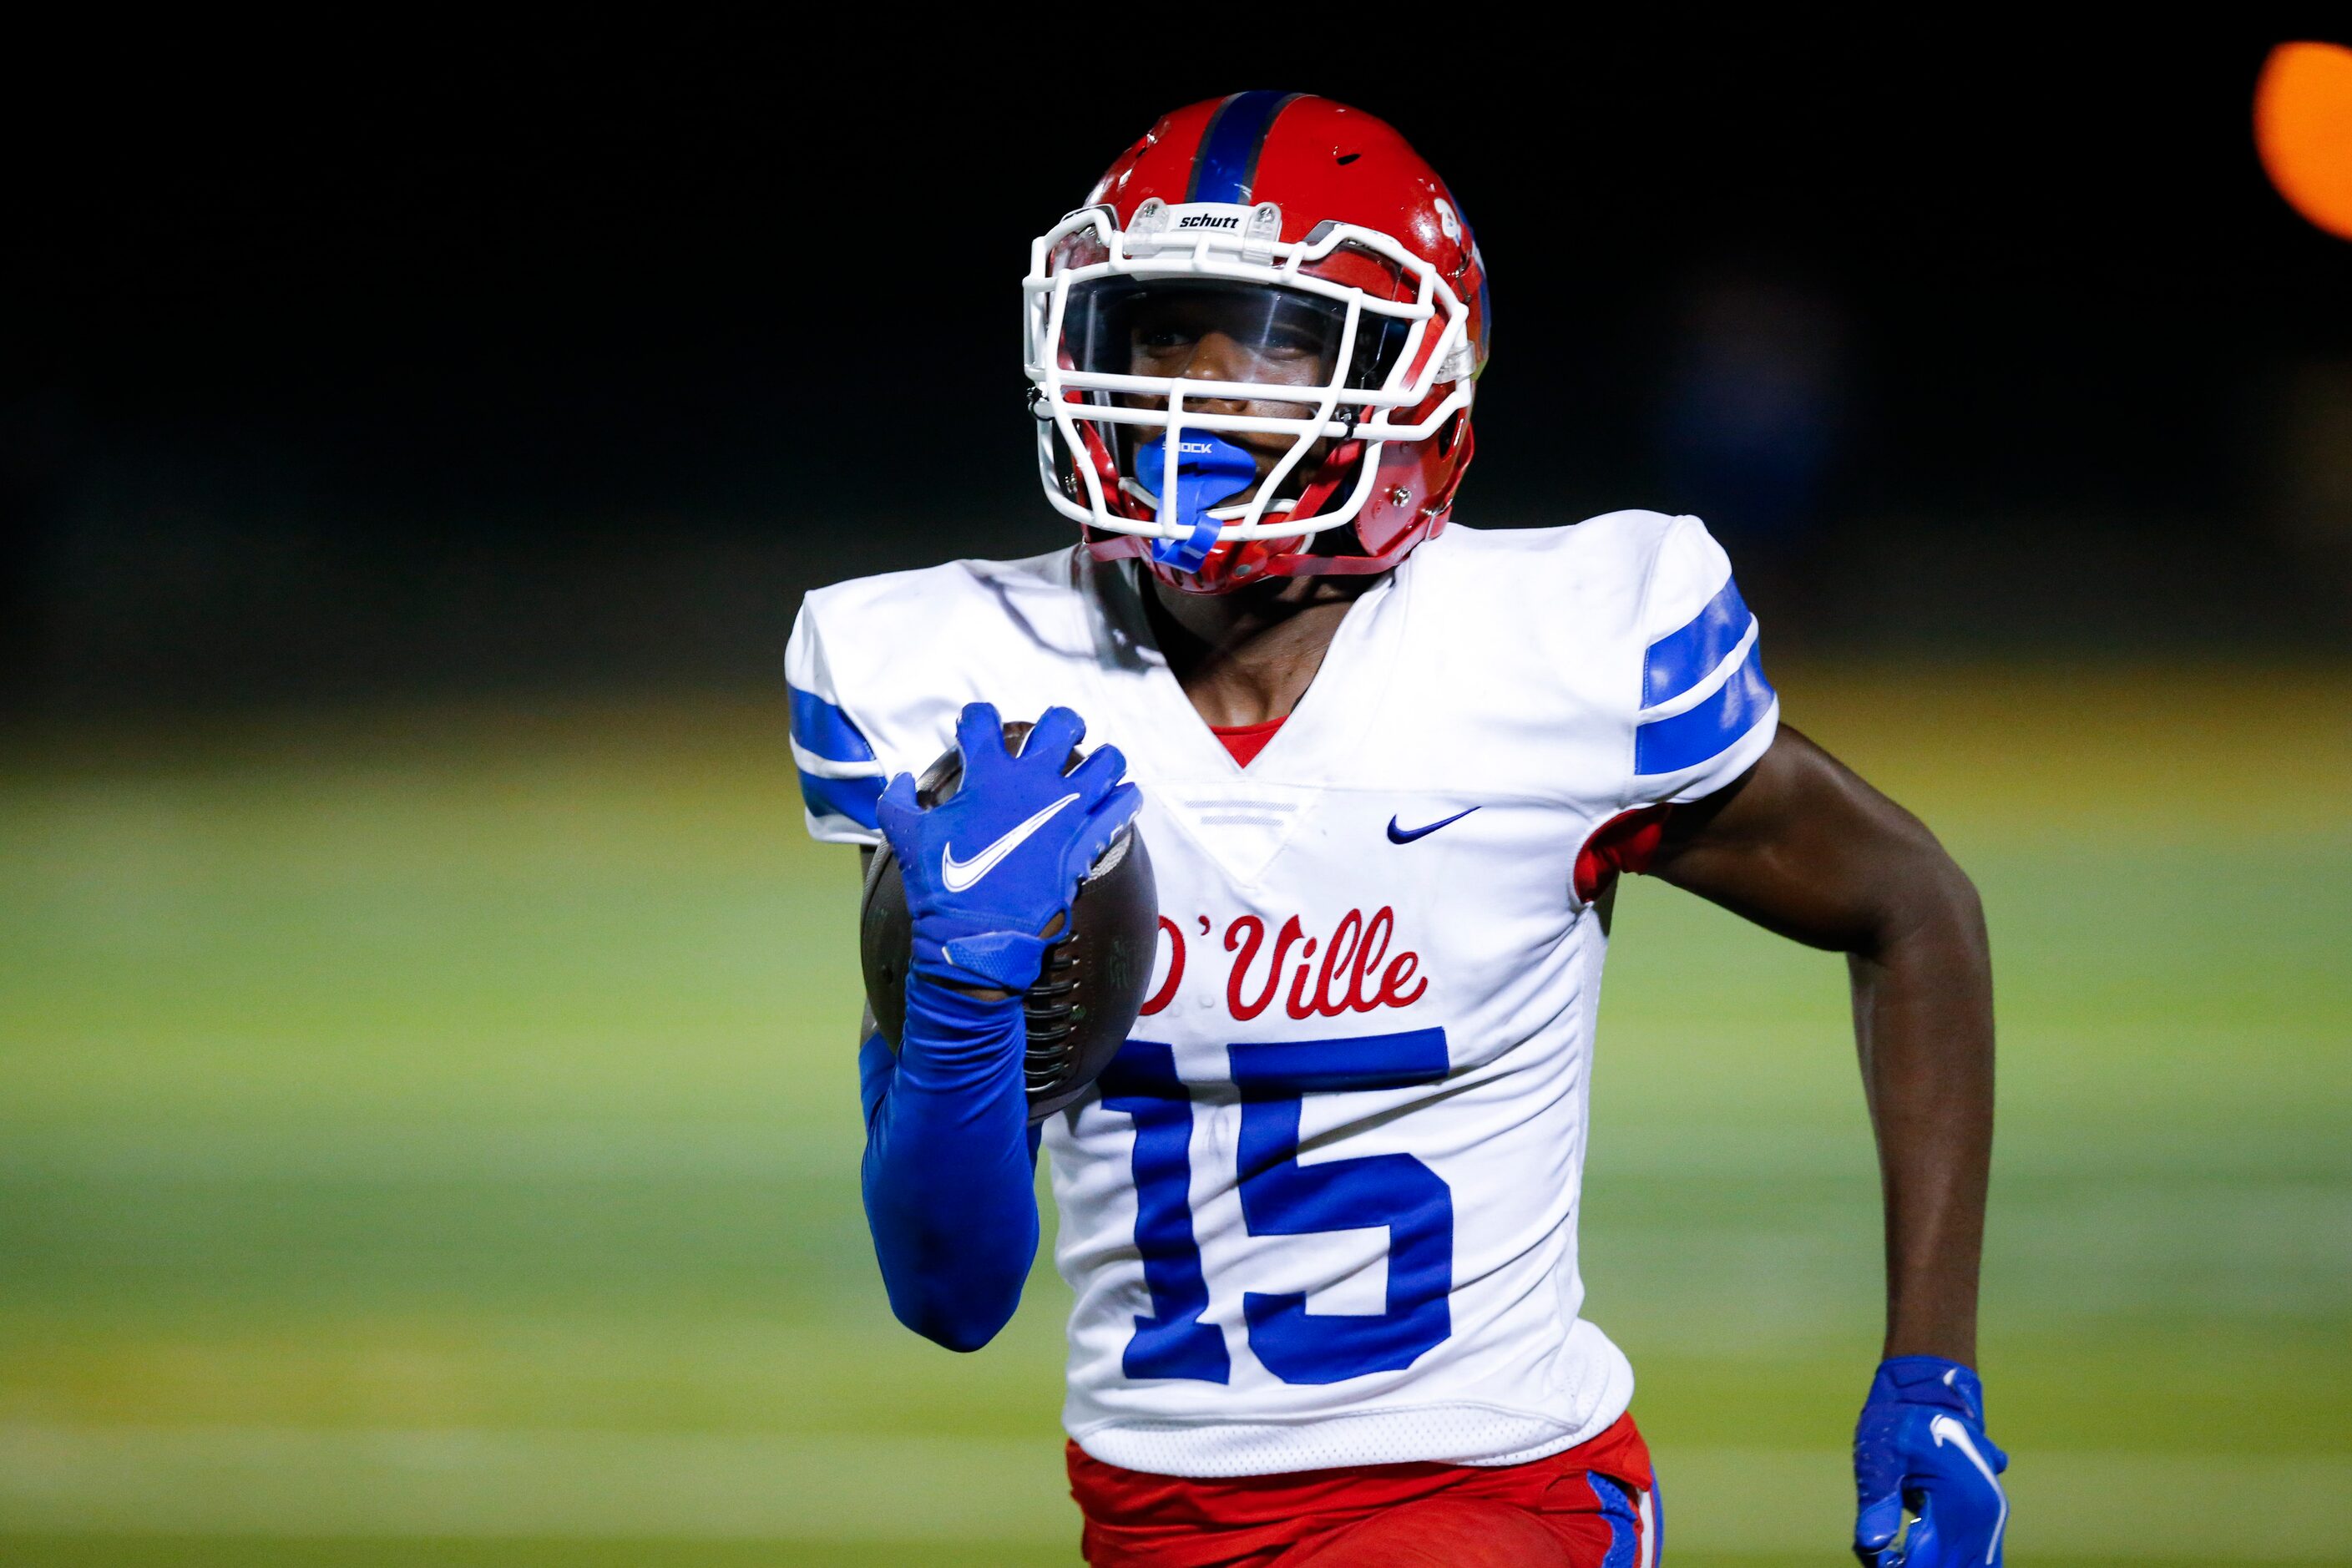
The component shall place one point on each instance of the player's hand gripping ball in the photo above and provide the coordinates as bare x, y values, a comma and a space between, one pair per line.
1920, 1450
1014, 863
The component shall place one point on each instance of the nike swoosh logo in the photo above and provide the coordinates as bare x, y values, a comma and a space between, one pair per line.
1407, 835
1944, 1429
961, 874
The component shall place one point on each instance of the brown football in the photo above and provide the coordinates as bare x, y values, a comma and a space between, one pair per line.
1092, 986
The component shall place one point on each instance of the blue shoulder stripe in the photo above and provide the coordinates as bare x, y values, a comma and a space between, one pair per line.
1688, 655
1227, 162
1691, 737
826, 731
852, 798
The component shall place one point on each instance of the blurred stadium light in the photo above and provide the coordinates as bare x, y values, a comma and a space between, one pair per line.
2303, 125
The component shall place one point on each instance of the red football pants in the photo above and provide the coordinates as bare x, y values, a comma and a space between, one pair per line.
1592, 1506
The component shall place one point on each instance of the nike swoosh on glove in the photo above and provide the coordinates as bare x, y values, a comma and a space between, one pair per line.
1921, 1444
990, 866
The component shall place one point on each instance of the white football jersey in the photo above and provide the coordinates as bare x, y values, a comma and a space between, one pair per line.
1321, 1211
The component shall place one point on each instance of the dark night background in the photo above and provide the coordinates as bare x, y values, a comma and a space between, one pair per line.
429, 1096
382, 365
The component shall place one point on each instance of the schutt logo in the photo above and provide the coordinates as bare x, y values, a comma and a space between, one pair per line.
1356, 973
1208, 220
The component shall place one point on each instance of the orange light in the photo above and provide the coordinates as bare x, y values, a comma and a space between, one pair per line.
2303, 128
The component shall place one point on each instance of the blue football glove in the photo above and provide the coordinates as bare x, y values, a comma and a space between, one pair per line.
1921, 1444
990, 867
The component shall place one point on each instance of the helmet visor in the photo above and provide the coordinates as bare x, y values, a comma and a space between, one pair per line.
1211, 329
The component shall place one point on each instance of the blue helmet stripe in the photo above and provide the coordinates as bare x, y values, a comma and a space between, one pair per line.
1484, 302
1709, 730
1227, 161
1688, 655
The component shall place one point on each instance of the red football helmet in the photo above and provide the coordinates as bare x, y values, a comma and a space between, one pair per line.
1252, 353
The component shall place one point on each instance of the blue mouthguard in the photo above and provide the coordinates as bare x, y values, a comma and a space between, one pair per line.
1209, 469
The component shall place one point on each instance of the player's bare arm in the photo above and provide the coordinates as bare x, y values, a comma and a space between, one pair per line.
1804, 847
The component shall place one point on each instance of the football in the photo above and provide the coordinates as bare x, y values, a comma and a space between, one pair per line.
1092, 986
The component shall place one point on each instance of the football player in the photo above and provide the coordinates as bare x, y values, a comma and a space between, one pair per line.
1319, 1213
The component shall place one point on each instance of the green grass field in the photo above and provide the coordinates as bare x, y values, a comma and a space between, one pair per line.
429, 1136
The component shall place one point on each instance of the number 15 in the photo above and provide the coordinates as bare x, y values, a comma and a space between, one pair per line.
1280, 1196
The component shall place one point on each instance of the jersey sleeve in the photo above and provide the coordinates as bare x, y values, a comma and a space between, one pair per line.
840, 776
1707, 713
